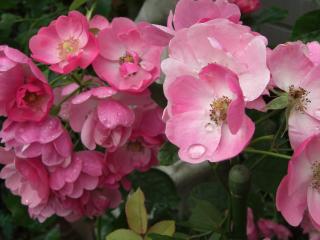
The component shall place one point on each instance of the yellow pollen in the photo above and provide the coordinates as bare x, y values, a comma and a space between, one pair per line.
68, 47
125, 59
298, 97
316, 176
219, 109
135, 147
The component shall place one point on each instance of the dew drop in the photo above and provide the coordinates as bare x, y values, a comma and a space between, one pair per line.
196, 151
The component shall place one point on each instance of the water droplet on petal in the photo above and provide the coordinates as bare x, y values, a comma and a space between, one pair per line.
196, 151
209, 127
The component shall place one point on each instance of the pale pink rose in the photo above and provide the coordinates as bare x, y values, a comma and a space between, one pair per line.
271, 229
27, 178
220, 41
299, 191
126, 62
46, 139
247, 6
98, 23
293, 72
206, 116
24, 92
188, 13
252, 232
314, 52
101, 119
65, 44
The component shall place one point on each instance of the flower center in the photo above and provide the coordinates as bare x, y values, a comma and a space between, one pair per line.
135, 146
316, 176
129, 64
68, 47
298, 97
30, 97
219, 109
128, 58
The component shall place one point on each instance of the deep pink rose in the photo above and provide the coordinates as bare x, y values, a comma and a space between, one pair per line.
247, 6
126, 62
24, 92
101, 119
27, 178
270, 229
46, 139
65, 44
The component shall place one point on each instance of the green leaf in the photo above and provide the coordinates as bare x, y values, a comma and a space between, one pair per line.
136, 212
271, 15
155, 236
268, 174
160, 192
278, 103
166, 228
212, 192
123, 234
168, 154
103, 7
307, 27
157, 94
205, 216
53, 234
215, 236
76, 4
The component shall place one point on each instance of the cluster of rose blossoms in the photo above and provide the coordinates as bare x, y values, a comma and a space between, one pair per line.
68, 150
216, 68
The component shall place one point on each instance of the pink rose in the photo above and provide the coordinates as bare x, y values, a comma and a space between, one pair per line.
293, 72
206, 115
220, 41
46, 139
27, 178
140, 151
101, 119
188, 13
24, 92
247, 6
65, 44
299, 191
126, 62
98, 23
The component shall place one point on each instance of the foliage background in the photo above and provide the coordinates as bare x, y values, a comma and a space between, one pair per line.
200, 210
